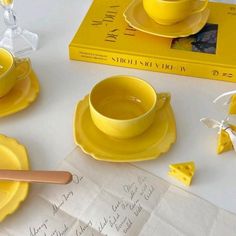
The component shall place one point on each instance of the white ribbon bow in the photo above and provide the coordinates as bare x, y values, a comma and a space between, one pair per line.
225, 95
223, 125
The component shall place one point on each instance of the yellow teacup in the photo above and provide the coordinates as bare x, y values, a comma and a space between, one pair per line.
168, 12
12, 69
123, 106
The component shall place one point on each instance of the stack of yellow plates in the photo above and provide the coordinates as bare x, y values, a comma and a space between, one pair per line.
13, 156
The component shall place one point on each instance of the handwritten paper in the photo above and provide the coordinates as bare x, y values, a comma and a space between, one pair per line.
116, 199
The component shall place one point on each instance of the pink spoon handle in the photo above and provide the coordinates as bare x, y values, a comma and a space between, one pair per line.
49, 177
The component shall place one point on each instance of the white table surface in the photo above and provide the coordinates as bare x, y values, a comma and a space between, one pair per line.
45, 128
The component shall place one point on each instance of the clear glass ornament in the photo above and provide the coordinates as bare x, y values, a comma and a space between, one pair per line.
17, 40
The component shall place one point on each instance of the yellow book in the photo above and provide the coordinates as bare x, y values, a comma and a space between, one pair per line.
105, 37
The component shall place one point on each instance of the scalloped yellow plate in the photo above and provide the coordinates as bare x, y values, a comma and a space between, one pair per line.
149, 145
21, 96
12, 156
136, 16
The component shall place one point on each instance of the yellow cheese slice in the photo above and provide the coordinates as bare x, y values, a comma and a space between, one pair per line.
224, 143
232, 105
183, 171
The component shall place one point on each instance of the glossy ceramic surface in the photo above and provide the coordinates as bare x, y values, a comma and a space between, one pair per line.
122, 106
12, 69
12, 156
169, 12
21, 96
149, 145
136, 16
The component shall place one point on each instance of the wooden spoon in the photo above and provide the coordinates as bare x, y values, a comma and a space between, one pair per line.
33, 176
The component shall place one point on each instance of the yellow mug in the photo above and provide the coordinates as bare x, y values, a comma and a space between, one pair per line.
123, 106
12, 69
168, 12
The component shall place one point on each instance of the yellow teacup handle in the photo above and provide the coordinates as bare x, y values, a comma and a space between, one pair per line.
202, 5
162, 99
23, 67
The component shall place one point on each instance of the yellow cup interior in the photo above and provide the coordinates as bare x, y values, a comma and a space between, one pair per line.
6, 61
123, 97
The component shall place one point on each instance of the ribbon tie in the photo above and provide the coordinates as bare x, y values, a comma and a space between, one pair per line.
222, 126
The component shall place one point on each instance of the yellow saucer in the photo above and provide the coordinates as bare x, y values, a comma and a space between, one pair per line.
149, 145
136, 16
21, 96
12, 156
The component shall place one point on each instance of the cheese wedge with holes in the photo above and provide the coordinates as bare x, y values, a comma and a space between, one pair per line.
224, 143
182, 171
232, 105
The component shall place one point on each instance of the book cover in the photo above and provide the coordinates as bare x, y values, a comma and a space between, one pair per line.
105, 37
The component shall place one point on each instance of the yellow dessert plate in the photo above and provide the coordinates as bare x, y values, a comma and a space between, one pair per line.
154, 141
13, 156
21, 96
136, 16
